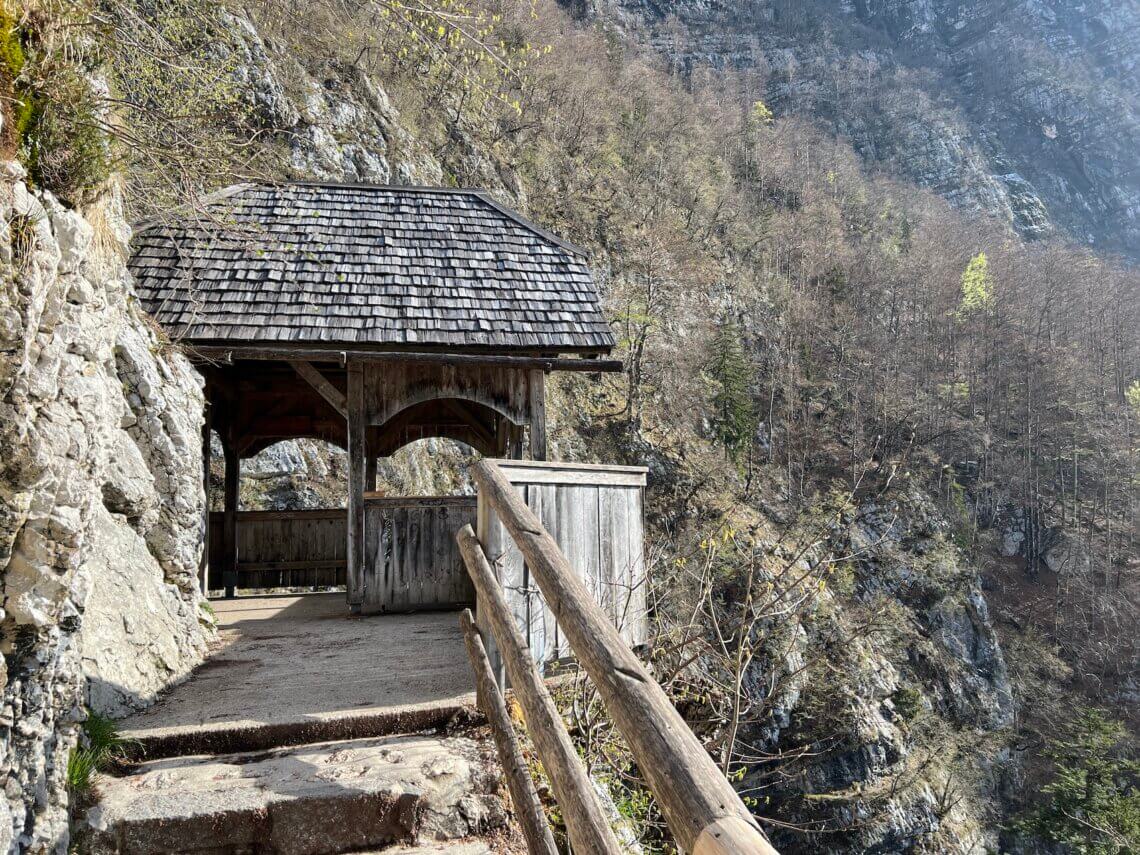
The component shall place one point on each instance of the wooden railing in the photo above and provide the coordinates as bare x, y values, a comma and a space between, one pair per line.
282, 549
411, 558
703, 812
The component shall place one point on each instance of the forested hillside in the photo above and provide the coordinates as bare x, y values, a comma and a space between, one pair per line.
892, 444
1026, 110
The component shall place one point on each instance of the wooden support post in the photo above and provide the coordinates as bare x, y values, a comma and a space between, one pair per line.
703, 811
515, 444
229, 516
537, 415
528, 808
586, 822
356, 476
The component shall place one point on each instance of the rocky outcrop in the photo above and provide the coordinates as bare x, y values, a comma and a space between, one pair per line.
101, 500
877, 755
1028, 110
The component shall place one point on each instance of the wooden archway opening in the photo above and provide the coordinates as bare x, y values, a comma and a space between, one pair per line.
371, 409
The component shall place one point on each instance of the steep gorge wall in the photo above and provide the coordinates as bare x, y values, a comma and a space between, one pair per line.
1028, 110
101, 500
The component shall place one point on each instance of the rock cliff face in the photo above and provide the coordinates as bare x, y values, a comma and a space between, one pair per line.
1028, 110
101, 500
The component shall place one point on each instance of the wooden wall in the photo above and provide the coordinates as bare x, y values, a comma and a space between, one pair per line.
411, 559
595, 514
283, 549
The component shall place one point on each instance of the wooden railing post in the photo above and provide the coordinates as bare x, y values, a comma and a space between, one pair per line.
528, 808
586, 822
703, 811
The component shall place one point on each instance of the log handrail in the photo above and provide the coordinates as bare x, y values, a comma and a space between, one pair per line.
704, 813
528, 808
586, 821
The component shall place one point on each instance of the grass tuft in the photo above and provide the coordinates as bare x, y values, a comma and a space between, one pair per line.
101, 745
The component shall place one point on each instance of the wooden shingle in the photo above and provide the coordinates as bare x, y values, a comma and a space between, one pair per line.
372, 266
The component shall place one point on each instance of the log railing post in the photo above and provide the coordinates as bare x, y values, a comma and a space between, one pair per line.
528, 808
586, 822
703, 811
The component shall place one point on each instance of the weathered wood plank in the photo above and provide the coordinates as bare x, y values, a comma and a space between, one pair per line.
528, 472
694, 796
231, 486
414, 562
586, 821
598, 526
227, 354
537, 415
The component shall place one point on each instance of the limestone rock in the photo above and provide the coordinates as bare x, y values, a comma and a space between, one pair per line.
130, 654
101, 501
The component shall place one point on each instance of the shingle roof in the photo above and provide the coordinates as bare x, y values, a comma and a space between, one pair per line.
304, 263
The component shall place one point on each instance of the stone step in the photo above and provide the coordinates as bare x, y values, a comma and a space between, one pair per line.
297, 670
243, 736
467, 847
333, 797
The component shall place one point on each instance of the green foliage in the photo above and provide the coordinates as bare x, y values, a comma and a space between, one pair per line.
760, 115
461, 46
731, 373
65, 147
53, 118
81, 769
16, 104
1093, 798
908, 702
101, 745
977, 287
11, 50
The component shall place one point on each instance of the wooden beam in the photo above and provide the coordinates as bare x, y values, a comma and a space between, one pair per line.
224, 354
229, 519
528, 808
700, 805
469, 419
537, 415
356, 477
319, 382
586, 821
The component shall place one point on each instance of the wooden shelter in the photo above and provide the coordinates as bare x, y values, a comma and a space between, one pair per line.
370, 317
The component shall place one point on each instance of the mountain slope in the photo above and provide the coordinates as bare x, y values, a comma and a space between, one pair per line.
1026, 109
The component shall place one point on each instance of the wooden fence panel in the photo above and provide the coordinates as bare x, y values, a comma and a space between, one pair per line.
285, 549
594, 514
411, 558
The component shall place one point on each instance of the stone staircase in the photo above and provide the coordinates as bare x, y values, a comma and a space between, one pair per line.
306, 733
414, 793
